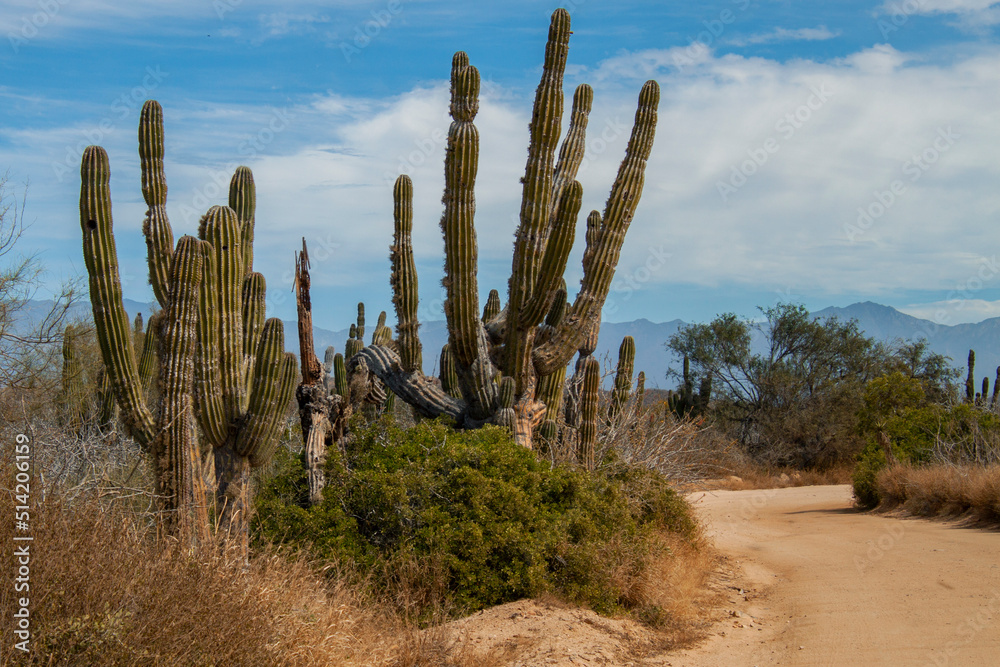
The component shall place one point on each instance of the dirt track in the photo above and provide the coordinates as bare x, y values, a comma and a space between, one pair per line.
808, 581
826, 585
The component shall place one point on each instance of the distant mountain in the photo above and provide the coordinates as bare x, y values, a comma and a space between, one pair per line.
880, 322
888, 324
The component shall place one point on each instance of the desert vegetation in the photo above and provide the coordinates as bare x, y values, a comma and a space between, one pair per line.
190, 515
191, 512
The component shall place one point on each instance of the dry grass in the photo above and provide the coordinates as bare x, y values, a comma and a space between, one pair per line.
756, 477
942, 490
105, 591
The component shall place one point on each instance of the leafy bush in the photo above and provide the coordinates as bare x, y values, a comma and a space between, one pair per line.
897, 406
470, 519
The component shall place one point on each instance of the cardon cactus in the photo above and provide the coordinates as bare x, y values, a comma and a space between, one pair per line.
970, 379
72, 399
513, 342
623, 378
588, 413
223, 377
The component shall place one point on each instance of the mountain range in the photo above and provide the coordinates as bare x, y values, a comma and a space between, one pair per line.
877, 321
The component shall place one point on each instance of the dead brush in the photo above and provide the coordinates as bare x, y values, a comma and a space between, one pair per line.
942, 489
105, 590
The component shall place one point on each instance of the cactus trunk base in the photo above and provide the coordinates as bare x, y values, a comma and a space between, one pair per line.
232, 474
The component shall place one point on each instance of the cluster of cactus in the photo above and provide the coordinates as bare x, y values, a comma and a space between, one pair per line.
981, 398
685, 402
223, 379
514, 342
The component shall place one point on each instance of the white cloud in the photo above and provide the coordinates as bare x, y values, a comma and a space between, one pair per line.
819, 33
957, 311
971, 15
814, 142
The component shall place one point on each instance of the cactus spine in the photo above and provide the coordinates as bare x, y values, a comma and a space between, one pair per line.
223, 390
514, 341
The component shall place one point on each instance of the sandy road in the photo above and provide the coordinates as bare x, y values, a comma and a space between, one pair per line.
826, 585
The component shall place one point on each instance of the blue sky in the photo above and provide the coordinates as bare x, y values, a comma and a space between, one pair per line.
822, 153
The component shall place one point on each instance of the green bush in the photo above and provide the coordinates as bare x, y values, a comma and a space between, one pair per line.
484, 520
897, 405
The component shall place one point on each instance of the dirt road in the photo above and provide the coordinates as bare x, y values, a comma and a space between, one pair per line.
826, 585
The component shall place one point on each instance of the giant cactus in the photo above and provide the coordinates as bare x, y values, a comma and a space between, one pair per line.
224, 380
514, 342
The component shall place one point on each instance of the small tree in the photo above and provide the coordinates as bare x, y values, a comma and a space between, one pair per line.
25, 341
795, 401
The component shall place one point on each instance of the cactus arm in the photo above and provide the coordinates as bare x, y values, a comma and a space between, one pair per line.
243, 200
221, 228
359, 331
404, 276
156, 227
110, 320
208, 374
147, 360
340, 379
466, 334
457, 223
268, 441
492, 307
623, 377
253, 300
72, 398
536, 198
574, 146
600, 270
448, 374
556, 257
588, 412
415, 389
176, 444
270, 393
382, 334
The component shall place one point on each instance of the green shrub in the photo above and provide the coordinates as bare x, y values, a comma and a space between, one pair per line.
482, 520
896, 405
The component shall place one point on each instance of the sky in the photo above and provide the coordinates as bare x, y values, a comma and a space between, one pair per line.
820, 153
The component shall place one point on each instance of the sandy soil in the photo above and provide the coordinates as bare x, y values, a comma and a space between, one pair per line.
807, 581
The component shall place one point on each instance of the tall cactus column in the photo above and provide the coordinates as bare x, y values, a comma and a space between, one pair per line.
170, 438
514, 341
224, 380
176, 445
